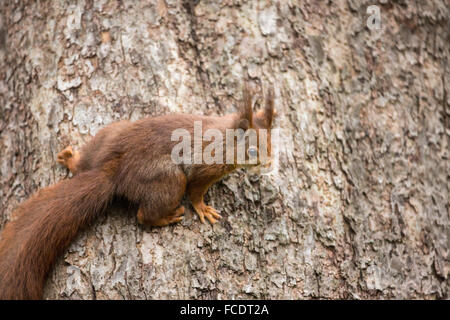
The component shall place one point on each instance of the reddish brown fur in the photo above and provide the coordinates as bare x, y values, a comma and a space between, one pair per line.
42, 227
125, 159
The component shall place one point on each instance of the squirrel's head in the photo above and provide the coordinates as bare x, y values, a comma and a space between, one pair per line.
255, 136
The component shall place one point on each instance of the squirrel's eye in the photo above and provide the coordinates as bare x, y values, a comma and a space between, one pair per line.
252, 152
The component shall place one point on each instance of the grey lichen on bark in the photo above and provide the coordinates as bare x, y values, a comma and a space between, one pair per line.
359, 205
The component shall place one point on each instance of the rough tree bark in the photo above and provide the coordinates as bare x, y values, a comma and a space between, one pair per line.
359, 207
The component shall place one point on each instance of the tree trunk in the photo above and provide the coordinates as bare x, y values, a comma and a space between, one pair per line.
359, 205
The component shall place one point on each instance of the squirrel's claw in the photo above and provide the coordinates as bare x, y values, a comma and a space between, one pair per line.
213, 212
178, 216
207, 211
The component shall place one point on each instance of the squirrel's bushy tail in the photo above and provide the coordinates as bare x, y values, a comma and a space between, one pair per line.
43, 226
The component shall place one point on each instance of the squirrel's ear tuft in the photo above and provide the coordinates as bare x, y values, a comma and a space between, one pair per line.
246, 112
264, 117
269, 111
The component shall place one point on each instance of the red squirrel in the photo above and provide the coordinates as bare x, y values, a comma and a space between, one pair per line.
126, 159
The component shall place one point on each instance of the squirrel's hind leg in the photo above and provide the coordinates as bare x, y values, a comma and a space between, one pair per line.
174, 217
160, 206
69, 158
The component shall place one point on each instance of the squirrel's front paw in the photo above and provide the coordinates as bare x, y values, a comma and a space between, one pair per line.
206, 211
